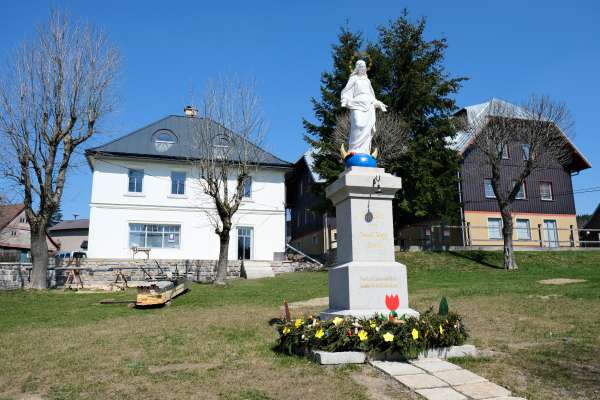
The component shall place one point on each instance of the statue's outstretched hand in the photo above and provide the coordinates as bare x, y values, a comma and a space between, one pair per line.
381, 106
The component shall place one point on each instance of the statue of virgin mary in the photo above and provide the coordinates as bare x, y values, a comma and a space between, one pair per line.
359, 98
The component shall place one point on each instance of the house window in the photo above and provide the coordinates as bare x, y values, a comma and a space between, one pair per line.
546, 191
245, 234
136, 178
177, 182
154, 236
22, 220
526, 150
523, 229
489, 190
13, 233
522, 193
504, 149
494, 228
247, 190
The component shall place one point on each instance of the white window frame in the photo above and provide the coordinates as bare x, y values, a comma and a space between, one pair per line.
526, 229
551, 191
485, 191
178, 183
491, 229
522, 189
252, 236
526, 154
129, 171
505, 152
162, 232
247, 191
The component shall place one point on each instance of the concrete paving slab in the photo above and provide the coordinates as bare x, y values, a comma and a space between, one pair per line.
396, 368
434, 365
482, 390
441, 394
459, 377
420, 381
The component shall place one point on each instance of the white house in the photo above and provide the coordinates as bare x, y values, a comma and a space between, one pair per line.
145, 193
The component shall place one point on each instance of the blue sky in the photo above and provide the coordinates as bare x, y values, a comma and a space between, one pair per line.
508, 49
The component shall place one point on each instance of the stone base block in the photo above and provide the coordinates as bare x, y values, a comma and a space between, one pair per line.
363, 288
361, 313
466, 350
341, 357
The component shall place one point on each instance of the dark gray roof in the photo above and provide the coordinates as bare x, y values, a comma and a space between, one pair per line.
70, 224
141, 143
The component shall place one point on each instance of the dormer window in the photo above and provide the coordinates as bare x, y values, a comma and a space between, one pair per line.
163, 139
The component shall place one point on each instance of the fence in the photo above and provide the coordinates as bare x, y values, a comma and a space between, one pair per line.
446, 237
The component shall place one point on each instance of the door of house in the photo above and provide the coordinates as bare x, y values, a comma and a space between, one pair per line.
551, 232
244, 234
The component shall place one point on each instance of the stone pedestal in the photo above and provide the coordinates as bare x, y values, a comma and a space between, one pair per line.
366, 270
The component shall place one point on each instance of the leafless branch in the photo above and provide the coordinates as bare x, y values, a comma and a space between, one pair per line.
540, 127
390, 137
53, 93
227, 141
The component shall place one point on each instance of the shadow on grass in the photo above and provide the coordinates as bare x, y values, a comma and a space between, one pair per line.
476, 256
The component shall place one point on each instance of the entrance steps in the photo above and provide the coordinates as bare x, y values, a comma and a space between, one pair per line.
257, 269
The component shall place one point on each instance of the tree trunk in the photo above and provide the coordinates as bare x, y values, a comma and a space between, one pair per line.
39, 259
223, 257
510, 262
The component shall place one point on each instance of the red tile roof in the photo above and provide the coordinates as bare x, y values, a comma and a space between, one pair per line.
9, 212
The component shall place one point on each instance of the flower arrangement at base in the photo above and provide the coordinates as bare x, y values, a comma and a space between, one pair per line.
406, 336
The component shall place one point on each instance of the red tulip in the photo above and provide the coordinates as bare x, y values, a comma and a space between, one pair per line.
392, 302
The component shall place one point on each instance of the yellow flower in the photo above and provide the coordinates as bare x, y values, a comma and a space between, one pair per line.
441, 330
373, 324
337, 321
362, 335
286, 330
415, 334
298, 323
319, 334
388, 337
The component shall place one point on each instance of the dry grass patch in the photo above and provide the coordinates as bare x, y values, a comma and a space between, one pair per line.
187, 353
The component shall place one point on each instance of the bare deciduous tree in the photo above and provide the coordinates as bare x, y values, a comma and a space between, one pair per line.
226, 140
390, 137
541, 127
53, 94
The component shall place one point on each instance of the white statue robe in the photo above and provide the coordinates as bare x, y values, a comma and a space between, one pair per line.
358, 96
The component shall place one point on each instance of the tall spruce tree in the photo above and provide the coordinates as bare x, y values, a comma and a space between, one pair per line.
420, 90
408, 75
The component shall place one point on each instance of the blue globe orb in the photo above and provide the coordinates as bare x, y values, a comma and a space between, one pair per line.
361, 160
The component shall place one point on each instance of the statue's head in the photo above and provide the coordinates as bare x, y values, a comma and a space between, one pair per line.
360, 68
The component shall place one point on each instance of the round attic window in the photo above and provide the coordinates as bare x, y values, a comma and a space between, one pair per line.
163, 139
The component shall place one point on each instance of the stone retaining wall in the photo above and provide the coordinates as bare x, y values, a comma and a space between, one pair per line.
101, 273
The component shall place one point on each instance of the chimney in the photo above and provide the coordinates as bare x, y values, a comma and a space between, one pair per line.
190, 111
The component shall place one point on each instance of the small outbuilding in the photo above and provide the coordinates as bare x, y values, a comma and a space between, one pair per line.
72, 235
15, 235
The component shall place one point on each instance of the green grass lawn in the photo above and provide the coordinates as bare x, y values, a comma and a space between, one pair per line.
541, 341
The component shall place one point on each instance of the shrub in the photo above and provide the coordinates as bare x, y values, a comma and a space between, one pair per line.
406, 336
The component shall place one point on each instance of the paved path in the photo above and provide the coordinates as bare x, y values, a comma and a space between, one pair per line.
436, 379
